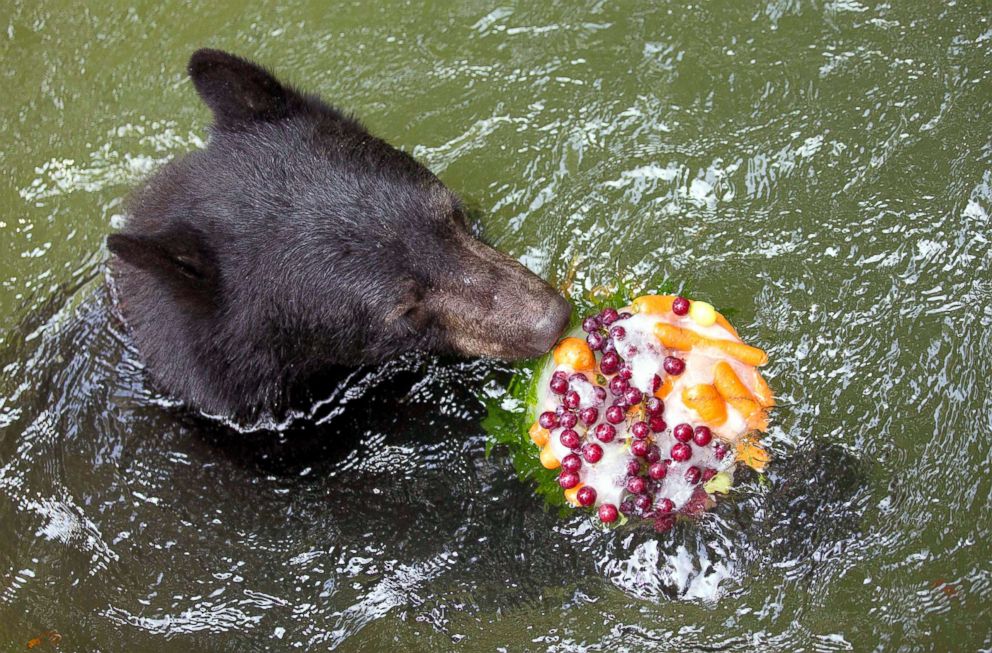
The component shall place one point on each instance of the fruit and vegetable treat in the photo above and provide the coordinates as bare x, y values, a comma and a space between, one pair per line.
646, 411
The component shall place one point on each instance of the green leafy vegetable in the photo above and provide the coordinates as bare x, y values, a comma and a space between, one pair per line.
721, 483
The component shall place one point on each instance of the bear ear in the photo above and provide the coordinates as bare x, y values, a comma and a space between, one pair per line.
180, 257
237, 90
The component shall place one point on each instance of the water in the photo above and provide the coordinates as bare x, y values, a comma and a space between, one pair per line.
823, 167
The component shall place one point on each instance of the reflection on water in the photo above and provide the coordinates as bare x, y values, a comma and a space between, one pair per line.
824, 169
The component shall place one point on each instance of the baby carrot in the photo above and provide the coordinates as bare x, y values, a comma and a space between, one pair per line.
571, 494
548, 458
539, 434
707, 402
736, 393
575, 353
764, 394
653, 304
674, 337
665, 389
744, 353
758, 421
659, 304
722, 321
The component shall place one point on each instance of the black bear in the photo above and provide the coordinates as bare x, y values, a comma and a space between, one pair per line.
297, 242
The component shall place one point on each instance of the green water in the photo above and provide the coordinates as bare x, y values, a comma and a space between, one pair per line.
823, 167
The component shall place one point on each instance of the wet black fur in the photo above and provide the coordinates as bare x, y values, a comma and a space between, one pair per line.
297, 242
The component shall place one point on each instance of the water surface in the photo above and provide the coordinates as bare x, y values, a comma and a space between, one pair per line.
825, 168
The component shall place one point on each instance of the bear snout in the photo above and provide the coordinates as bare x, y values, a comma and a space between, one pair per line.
496, 307
548, 326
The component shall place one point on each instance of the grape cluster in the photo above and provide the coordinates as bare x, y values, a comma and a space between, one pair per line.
620, 410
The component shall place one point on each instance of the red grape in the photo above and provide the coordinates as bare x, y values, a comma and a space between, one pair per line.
614, 414
657, 424
590, 324
655, 406
673, 365
571, 463
610, 362
586, 496
682, 432
608, 513
608, 316
588, 416
658, 471
569, 438
681, 452
636, 484
618, 386
666, 506
642, 502
548, 420
592, 452
606, 432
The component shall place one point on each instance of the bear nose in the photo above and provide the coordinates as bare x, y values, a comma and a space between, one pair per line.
549, 325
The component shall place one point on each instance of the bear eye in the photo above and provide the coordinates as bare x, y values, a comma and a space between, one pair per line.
416, 316
411, 310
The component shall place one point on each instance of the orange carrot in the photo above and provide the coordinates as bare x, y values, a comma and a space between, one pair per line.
575, 353
539, 434
763, 393
548, 458
758, 421
660, 304
722, 321
674, 337
744, 353
665, 389
707, 402
653, 304
736, 393
571, 494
